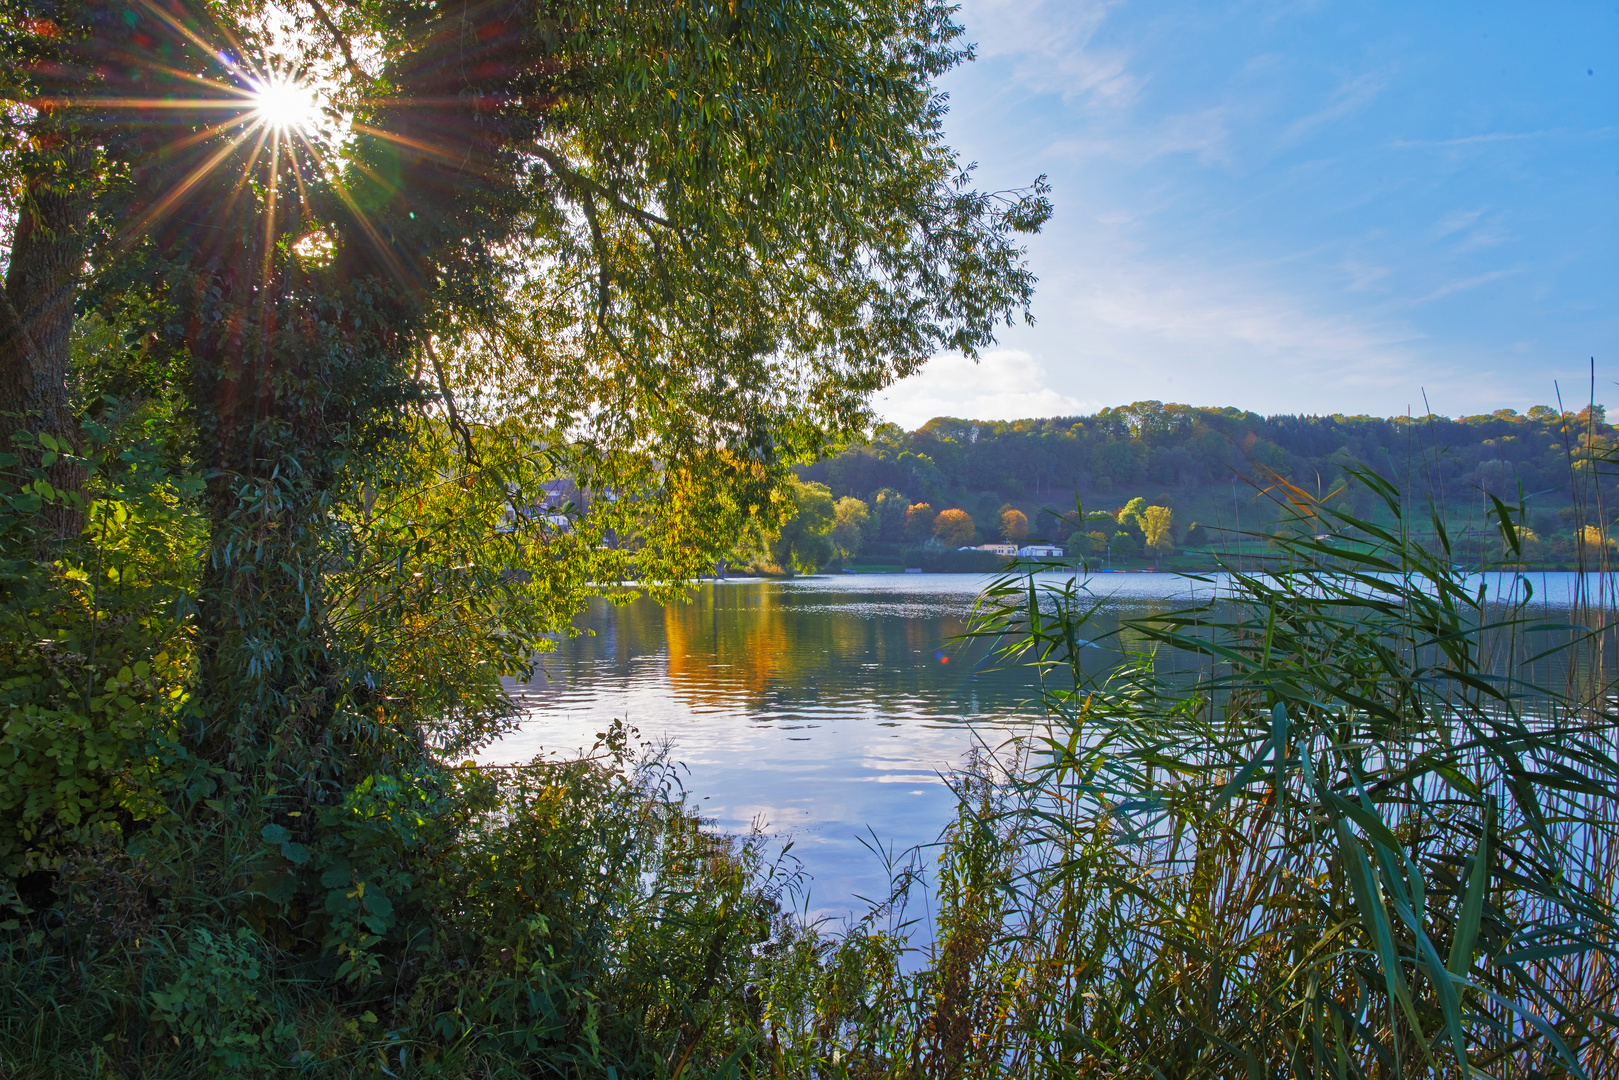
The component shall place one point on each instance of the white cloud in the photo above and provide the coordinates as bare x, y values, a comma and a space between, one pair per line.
1205, 133
1456, 221
1124, 326
1051, 43
1348, 98
1477, 140
1205, 330
1462, 285
1363, 276
1006, 384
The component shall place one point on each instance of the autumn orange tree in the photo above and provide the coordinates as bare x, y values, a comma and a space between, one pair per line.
954, 527
1014, 523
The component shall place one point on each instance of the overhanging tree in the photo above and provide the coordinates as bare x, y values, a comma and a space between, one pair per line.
652, 253
666, 248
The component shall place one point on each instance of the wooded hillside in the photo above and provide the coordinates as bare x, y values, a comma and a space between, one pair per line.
1205, 463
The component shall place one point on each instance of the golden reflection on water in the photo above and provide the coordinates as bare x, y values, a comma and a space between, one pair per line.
726, 648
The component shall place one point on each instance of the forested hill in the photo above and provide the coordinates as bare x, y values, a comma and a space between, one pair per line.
1192, 459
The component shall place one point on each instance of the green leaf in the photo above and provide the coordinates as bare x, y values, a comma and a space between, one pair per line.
1275, 746
1461, 943
1374, 917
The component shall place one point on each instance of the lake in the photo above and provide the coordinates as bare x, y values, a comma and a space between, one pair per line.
823, 710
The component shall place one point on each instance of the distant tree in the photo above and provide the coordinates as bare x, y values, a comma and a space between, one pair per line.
1592, 542
1530, 546
804, 544
849, 519
1098, 542
1131, 514
919, 521
954, 527
888, 509
1155, 526
1014, 523
1196, 535
1122, 543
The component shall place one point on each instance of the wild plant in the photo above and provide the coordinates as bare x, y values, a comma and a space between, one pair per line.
1373, 834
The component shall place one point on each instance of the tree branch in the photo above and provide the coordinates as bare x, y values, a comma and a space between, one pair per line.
580, 180
601, 260
456, 424
342, 41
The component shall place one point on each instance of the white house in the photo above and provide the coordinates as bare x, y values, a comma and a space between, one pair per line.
1039, 551
999, 549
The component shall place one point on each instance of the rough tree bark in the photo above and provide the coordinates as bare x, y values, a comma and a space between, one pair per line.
36, 308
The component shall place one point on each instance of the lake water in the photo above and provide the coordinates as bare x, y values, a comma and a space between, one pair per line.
823, 710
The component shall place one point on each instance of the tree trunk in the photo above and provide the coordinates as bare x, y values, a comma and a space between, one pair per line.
36, 310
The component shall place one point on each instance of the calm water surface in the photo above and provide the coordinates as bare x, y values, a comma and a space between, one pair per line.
822, 710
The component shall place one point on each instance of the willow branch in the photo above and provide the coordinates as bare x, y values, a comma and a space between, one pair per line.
456, 424
585, 183
603, 279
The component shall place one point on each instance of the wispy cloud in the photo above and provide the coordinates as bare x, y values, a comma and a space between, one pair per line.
1213, 320
1204, 134
1239, 221
1362, 276
1050, 44
1456, 221
1004, 384
1350, 97
1487, 137
1457, 285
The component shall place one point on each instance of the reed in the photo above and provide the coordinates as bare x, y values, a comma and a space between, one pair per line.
1372, 834
1370, 830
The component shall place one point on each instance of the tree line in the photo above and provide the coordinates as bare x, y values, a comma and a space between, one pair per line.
1205, 468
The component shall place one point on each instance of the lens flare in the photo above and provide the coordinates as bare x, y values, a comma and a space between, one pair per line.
285, 104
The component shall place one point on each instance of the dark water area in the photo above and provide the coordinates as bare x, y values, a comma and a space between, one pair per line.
824, 711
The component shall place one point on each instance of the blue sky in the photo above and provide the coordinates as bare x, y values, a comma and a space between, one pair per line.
1305, 207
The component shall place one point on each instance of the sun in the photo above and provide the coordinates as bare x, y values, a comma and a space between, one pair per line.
285, 104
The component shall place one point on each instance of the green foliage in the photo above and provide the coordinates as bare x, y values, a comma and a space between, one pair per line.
213, 1000
96, 666
803, 543
851, 519
1133, 514
566, 326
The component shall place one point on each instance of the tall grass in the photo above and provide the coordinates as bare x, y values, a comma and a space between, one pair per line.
1373, 831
